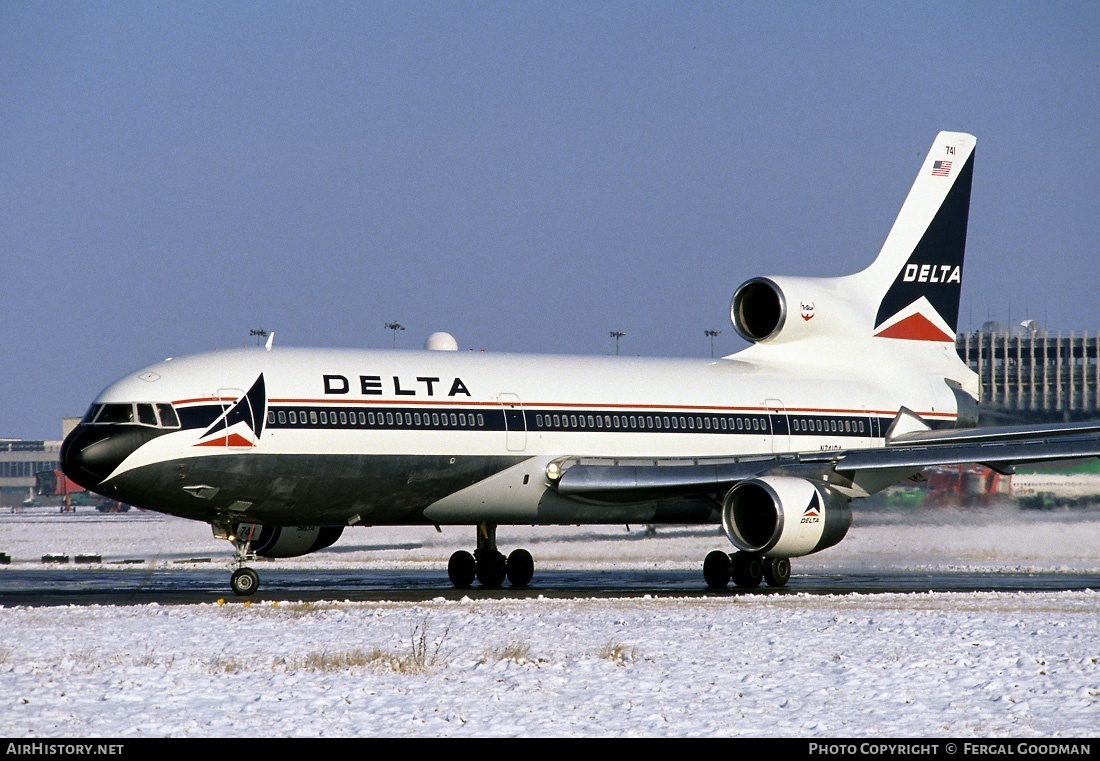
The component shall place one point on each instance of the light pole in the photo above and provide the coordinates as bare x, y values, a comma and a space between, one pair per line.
260, 334
617, 334
712, 334
394, 326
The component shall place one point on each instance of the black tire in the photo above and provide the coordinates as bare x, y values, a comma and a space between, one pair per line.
520, 567
777, 571
491, 569
748, 570
461, 569
716, 569
244, 581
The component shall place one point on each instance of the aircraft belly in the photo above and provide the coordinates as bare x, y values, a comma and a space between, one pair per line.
521, 495
313, 489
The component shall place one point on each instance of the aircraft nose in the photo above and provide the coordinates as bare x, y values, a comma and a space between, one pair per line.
90, 453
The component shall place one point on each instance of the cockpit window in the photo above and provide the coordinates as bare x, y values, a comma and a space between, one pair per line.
116, 413
143, 413
146, 416
168, 417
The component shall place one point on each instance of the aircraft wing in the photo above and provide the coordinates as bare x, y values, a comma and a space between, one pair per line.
999, 448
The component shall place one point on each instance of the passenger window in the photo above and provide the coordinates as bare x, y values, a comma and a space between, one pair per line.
271, 417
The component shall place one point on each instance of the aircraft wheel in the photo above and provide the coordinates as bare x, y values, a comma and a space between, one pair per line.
777, 571
491, 569
461, 569
520, 567
748, 570
244, 581
716, 570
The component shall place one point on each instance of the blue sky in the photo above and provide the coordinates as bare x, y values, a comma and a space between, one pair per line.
528, 176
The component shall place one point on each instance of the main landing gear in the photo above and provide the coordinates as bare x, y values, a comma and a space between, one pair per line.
745, 569
488, 565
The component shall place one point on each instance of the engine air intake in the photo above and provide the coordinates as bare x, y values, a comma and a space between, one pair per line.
758, 310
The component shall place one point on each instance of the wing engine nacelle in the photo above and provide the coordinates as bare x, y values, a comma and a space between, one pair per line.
288, 541
784, 517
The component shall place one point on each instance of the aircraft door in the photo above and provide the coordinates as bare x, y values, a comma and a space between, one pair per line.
236, 407
780, 426
515, 423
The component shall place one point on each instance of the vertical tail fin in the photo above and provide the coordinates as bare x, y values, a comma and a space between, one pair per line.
919, 269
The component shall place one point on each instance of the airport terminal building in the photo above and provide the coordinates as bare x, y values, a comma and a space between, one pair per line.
1029, 375
21, 460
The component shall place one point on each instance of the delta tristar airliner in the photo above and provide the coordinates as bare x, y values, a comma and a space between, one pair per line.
850, 384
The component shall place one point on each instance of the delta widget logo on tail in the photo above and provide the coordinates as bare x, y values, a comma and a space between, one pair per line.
922, 304
242, 424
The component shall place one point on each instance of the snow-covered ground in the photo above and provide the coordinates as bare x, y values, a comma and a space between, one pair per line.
943, 665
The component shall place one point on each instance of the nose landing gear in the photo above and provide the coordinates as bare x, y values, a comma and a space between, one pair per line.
244, 580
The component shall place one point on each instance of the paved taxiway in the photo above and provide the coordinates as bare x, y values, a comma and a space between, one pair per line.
150, 558
173, 586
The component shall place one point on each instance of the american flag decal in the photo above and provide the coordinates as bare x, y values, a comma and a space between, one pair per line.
941, 168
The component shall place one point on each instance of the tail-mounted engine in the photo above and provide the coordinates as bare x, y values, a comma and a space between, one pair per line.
765, 309
287, 541
784, 517
758, 310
